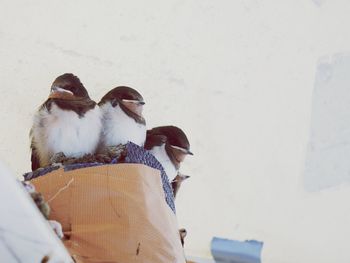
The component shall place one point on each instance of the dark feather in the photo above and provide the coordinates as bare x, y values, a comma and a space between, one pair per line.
153, 140
79, 102
175, 136
115, 97
80, 106
119, 93
176, 183
70, 82
35, 160
34, 156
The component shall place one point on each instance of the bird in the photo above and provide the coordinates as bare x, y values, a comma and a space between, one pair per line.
183, 234
176, 183
170, 146
68, 122
122, 118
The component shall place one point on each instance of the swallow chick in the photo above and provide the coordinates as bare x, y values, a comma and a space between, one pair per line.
169, 144
183, 234
68, 122
122, 117
176, 183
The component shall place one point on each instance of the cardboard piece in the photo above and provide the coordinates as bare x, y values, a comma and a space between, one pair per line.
113, 213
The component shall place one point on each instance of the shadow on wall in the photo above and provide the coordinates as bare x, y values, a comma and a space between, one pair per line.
327, 158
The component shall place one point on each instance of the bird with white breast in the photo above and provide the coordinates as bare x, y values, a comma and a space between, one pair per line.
122, 117
68, 122
169, 144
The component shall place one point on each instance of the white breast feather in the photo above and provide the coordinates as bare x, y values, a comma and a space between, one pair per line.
119, 128
160, 153
63, 131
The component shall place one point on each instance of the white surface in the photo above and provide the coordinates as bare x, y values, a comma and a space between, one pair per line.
237, 76
24, 234
200, 260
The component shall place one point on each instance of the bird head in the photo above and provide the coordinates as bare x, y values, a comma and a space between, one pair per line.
129, 99
68, 87
68, 93
177, 145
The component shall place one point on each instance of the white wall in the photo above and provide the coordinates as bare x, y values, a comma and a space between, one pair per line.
237, 76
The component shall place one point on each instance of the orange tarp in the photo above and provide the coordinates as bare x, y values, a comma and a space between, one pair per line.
113, 213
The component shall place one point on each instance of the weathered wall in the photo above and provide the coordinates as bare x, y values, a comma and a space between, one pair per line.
238, 76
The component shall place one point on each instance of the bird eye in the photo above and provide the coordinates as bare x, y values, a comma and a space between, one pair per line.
114, 102
74, 89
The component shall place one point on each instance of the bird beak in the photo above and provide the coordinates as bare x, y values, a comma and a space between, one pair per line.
184, 177
189, 152
138, 102
135, 106
185, 151
180, 177
183, 232
57, 92
56, 89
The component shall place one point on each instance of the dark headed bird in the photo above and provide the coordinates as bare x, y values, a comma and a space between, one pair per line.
68, 122
122, 117
183, 234
176, 183
170, 146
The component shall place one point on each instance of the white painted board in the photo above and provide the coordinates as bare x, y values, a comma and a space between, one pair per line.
25, 236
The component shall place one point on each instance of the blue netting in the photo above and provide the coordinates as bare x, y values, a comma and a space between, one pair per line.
137, 154
40, 172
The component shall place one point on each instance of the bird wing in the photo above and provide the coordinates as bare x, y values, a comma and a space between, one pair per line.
34, 157
35, 160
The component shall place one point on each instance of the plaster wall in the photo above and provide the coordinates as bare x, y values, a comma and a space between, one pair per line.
237, 76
